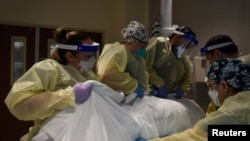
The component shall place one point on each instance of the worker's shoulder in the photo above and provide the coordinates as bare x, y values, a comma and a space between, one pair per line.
47, 64
113, 45
158, 39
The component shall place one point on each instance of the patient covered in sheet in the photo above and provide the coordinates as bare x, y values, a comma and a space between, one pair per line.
104, 117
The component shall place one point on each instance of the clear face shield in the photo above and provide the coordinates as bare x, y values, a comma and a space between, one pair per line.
209, 57
186, 45
91, 50
90, 53
204, 50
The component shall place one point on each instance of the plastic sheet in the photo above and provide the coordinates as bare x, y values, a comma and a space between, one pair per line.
102, 117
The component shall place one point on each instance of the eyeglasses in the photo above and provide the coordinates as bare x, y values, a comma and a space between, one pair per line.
211, 85
146, 43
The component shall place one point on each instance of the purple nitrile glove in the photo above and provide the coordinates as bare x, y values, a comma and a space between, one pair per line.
82, 91
162, 92
179, 93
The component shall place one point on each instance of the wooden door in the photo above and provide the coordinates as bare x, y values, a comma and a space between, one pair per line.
14, 41
45, 42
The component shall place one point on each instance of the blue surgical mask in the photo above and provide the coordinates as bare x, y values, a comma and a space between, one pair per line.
141, 52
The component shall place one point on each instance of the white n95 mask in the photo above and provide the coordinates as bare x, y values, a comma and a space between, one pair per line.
87, 65
214, 96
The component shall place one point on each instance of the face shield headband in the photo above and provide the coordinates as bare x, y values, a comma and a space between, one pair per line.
139, 40
205, 50
187, 45
81, 47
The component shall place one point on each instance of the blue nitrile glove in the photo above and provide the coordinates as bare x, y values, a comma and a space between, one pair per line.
140, 139
82, 91
162, 92
179, 93
139, 91
153, 90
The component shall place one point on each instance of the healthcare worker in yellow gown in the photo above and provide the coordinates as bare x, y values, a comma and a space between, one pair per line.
121, 66
56, 83
233, 95
218, 47
168, 62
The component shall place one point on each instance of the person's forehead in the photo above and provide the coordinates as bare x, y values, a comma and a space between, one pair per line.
87, 41
209, 56
210, 81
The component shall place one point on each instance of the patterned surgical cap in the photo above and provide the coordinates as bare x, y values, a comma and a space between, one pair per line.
215, 71
234, 72
237, 75
135, 32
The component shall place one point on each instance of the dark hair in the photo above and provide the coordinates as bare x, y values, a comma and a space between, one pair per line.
218, 39
63, 36
183, 29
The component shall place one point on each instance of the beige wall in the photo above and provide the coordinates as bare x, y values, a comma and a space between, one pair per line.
107, 16
206, 17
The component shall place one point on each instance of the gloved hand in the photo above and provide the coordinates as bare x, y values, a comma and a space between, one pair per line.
82, 91
162, 92
139, 91
124, 99
153, 91
140, 139
179, 93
